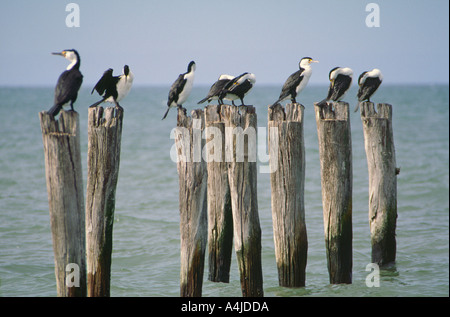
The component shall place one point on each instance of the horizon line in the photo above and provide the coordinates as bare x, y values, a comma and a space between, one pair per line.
161, 85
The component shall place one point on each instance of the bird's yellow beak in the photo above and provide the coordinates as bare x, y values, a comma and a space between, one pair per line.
314, 61
63, 53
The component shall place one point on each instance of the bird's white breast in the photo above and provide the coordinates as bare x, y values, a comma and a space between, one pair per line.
124, 85
306, 74
187, 88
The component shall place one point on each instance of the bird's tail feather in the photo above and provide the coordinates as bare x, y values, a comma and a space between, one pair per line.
357, 106
165, 115
275, 103
54, 110
202, 101
322, 103
96, 104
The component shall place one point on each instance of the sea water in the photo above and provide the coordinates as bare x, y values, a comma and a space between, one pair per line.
146, 236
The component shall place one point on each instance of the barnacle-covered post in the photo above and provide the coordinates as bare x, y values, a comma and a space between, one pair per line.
103, 159
61, 138
220, 219
335, 151
287, 178
192, 175
380, 152
240, 153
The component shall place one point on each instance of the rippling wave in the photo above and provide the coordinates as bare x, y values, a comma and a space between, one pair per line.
146, 227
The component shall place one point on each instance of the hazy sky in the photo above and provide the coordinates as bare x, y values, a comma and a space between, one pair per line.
157, 39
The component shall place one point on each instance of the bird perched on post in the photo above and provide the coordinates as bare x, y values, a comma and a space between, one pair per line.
368, 82
216, 88
181, 88
340, 81
69, 82
238, 88
114, 88
297, 81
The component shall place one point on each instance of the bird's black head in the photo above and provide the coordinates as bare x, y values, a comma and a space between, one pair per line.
191, 66
126, 70
73, 56
75, 52
306, 61
331, 71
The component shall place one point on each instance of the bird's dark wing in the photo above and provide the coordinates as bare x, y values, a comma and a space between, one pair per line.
215, 89
104, 82
291, 83
225, 88
360, 77
240, 89
368, 88
176, 89
339, 87
330, 91
231, 83
69, 82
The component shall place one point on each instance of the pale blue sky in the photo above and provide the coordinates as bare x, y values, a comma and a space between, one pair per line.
158, 39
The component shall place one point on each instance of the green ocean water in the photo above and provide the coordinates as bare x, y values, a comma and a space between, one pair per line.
146, 252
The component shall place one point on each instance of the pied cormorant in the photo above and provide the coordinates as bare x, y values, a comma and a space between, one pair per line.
114, 88
237, 88
340, 81
216, 88
69, 82
181, 88
297, 81
368, 83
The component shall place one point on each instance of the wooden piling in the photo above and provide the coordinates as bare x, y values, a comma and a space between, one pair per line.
220, 219
192, 173
64, 179
287, 155
335, 150
240, 153
103, 158
380, 152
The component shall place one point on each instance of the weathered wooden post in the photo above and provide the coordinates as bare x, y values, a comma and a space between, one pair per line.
335, 150
287, 155
103, 158
220, 219
380, 152
192, 173
240, 125
64, 179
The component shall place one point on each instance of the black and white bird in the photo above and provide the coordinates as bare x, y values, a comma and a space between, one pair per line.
69, 82
368, 82
216, 88
238, 88
340, 82
297, 81
114, 88
181, 88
